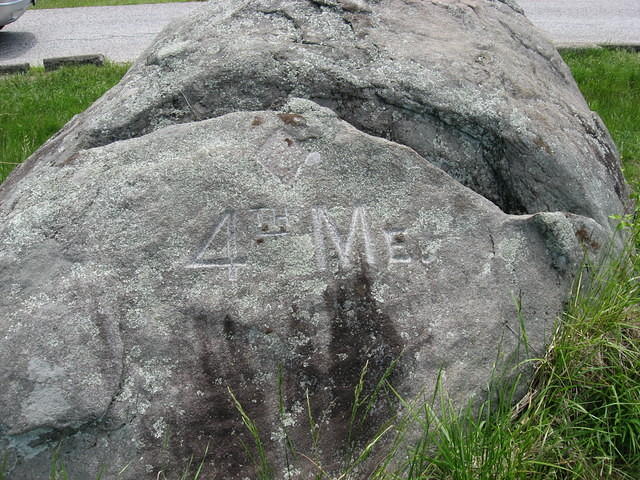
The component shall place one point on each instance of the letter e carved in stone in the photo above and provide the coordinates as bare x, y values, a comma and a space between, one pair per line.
397, 246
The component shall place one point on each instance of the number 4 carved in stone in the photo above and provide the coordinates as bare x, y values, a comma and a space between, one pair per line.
224, 240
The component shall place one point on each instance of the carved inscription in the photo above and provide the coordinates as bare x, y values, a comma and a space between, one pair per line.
227, 229
271, 223
235, 233
324, 227
285, 158
397, 245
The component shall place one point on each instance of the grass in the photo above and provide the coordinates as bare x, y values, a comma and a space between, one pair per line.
581, 417
97, 3
610, 81
36, 105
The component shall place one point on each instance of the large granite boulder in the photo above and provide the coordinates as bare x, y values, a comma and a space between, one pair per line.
468, 84
150, 259
143, 278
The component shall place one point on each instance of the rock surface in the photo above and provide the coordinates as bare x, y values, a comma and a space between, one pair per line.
160, 270
284, 245
469, 84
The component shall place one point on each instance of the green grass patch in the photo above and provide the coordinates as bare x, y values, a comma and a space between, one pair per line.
610, 81
41, 4
36, 105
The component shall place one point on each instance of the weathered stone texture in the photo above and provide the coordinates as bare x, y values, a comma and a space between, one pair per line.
163, 269
262, 204
468, 84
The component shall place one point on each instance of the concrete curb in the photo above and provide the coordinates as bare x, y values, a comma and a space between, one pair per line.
58, 62
15, 68
632, 47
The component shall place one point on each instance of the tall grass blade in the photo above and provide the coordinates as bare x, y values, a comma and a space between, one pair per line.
265, 471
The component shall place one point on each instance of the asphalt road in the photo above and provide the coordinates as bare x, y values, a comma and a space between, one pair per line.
122, 33
586, 22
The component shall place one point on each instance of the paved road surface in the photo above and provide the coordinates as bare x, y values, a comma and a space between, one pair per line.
122, 33
584, 22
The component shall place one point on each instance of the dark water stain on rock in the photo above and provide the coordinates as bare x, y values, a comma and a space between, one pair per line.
361, 335
206, 414
326, 364
304, 377
585, 238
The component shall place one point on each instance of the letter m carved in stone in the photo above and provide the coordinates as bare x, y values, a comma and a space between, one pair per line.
326, 231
